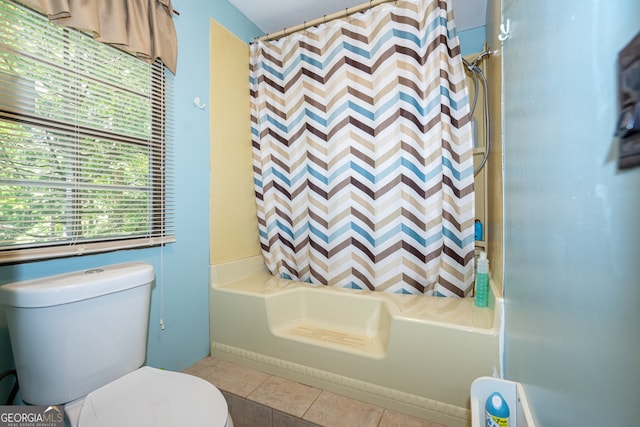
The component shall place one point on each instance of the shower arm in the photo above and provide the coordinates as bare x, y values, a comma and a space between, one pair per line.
479, 58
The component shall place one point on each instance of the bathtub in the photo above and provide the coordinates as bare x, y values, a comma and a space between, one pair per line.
413, 354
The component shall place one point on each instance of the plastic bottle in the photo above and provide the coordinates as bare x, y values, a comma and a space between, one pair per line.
479, 234
482, 281
496, 411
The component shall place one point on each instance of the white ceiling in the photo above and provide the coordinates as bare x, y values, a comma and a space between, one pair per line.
274, 15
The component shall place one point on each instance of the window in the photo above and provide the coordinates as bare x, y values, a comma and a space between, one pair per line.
85, 153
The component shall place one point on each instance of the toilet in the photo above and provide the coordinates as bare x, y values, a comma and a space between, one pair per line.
79, 340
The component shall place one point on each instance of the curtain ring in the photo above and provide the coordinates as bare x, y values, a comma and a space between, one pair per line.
324, 18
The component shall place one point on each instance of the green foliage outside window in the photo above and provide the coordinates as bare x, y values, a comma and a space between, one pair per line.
82, 154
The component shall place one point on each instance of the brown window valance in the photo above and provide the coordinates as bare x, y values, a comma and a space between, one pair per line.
142, 27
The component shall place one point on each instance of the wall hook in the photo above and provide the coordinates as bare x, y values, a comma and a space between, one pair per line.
198, 103
504, 31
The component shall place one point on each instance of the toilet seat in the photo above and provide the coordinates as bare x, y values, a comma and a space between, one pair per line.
154, 398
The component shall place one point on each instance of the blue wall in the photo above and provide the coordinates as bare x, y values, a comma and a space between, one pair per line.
572, 224
186, 263
472, 41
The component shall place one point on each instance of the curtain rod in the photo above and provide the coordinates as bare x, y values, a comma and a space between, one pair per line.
323, 20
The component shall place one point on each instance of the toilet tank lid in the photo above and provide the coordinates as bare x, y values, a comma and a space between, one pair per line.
76, 286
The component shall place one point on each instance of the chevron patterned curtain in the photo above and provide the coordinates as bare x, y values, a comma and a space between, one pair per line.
363, 155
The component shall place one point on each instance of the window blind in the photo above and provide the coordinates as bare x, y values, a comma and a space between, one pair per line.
86, 160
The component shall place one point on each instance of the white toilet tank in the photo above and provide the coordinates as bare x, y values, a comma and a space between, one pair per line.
73, 333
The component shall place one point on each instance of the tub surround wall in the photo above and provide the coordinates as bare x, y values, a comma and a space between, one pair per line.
495, 184
233, 222
386, 349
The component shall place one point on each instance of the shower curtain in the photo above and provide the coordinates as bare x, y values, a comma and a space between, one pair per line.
363, 159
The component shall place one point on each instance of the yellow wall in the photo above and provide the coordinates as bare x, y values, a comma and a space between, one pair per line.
233, 222
495, 164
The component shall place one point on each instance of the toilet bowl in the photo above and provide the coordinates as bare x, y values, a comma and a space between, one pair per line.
150, 397
79, 340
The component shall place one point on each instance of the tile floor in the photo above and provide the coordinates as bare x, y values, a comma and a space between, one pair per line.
257, 399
